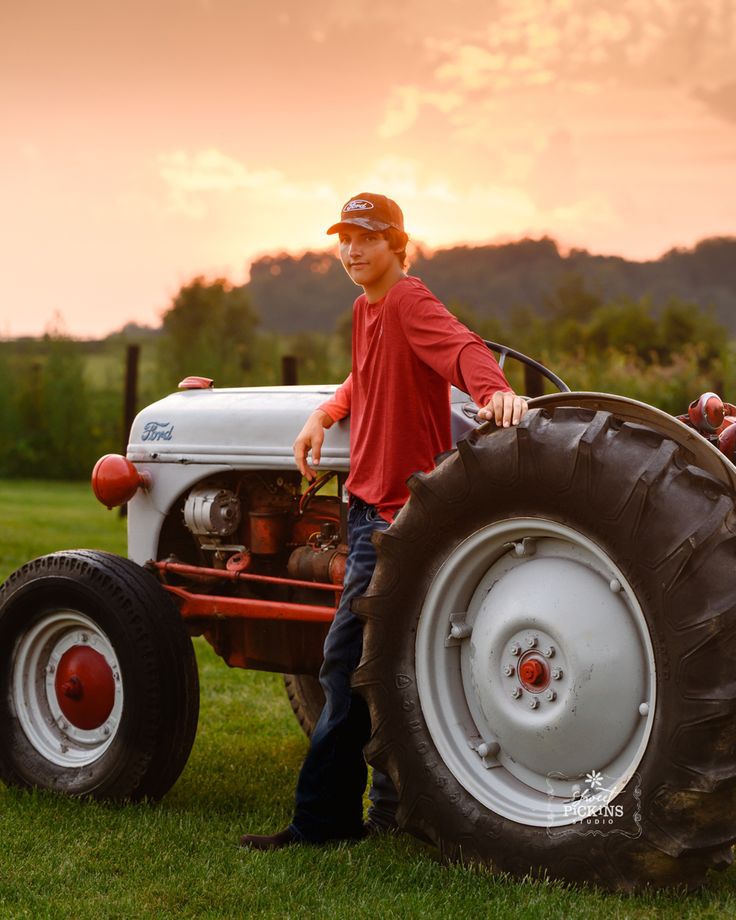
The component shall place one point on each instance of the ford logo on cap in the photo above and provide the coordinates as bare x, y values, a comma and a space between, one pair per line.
371, 212
358, 204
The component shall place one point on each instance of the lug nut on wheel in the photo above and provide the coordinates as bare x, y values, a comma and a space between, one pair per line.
489, 748
508, 670
556, 673
516, 693
533, 704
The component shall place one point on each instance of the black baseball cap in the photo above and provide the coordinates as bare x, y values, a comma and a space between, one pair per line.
372, 212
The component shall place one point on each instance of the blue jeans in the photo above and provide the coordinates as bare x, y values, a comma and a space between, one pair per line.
329, 793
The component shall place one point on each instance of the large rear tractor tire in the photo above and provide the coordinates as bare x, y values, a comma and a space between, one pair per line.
548, 655
307, 699
99, 691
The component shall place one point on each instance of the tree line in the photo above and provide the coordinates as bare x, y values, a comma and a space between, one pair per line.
62, 402
311, 290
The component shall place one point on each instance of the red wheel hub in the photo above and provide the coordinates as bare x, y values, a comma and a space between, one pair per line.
85, 687
533, 673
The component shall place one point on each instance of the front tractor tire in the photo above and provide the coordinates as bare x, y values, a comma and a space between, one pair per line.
548, 655
99, 691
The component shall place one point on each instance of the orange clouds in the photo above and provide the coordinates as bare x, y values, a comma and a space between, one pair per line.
147, 143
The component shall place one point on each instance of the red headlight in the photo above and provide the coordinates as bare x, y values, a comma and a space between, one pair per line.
115, 480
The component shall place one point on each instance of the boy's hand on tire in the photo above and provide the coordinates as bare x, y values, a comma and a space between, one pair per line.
504, 408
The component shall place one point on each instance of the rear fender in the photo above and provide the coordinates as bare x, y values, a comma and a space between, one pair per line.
704, 454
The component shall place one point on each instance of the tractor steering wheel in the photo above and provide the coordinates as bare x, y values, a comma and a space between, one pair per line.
503, 351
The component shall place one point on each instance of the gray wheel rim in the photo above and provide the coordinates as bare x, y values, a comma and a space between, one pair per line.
522, 597
34, 698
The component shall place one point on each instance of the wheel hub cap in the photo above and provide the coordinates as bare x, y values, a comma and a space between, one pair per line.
563, 603
85, 687
535, 669
533, 673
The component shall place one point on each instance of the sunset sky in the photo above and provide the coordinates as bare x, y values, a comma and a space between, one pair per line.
147, 141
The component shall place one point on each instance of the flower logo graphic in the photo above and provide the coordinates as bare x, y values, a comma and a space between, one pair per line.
594, 779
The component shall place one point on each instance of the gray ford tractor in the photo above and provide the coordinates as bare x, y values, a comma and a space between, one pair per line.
549, 636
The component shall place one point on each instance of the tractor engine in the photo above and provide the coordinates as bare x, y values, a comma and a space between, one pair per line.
251, 554
264, 525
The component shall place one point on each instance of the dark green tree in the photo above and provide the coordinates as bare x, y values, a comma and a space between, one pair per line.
210, 331
682, 324
65, 412
344, 332
626, 326
467, 315
312, 352
45, 418
567, 312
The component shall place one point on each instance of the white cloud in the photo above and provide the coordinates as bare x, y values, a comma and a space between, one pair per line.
209, 170
405, 179
405, 104
640, 42
471, 67
191, 177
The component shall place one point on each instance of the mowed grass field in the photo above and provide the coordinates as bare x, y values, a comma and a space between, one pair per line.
61, 858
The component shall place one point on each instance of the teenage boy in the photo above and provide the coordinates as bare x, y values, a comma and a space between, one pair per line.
407, 350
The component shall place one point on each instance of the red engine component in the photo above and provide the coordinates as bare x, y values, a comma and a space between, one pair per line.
320, 510
265, 590
315, 563
268, 531
239, 562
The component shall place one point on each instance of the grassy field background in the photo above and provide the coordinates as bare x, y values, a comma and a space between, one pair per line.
70, 859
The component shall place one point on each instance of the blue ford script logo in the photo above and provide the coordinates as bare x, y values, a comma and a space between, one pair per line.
157, 431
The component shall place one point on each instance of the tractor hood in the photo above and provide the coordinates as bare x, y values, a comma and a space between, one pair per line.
246, 427
230, 426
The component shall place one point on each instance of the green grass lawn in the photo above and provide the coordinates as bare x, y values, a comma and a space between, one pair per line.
64, 859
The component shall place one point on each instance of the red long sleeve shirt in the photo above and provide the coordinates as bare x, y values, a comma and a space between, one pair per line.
407, 350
